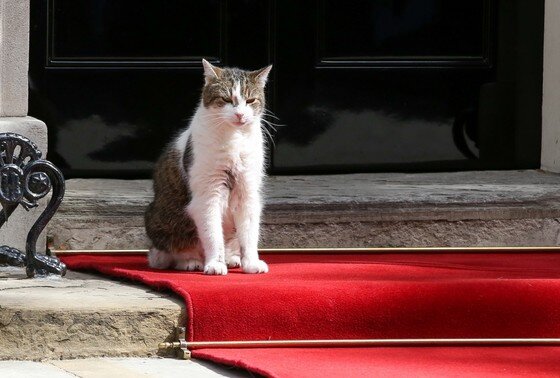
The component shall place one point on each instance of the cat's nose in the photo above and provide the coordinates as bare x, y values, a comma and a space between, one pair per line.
239, 116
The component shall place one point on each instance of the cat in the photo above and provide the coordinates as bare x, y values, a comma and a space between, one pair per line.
207, 203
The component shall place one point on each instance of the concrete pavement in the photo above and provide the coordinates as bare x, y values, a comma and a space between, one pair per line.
118, 367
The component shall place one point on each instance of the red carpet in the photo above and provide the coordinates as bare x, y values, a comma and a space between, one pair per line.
368, 296
430, 362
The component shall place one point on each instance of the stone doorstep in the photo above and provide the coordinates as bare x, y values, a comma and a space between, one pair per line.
491, 208
82, 315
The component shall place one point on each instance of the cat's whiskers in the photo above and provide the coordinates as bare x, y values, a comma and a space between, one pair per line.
270, 137
218, 119
269, 113
209, 116
264, 127
272, 125
268, 125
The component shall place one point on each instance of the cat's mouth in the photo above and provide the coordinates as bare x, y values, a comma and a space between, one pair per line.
239, 123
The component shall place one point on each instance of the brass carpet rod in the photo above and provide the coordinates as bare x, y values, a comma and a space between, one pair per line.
359, 343
386, 250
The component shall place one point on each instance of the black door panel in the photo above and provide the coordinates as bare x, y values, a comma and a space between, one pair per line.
109, 31
414, 29
410, 85
364, 85
115, 80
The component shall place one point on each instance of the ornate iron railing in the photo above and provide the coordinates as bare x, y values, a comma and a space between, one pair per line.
25, 178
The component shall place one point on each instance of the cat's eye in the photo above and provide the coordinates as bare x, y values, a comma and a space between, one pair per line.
250, 100
227, 99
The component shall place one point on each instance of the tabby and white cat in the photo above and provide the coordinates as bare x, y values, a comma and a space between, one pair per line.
207, 184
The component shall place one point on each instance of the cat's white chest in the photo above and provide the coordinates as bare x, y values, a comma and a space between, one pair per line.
243, 153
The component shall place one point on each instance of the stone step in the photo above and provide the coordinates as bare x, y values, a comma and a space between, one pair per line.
87, 316
82, 315
490, 208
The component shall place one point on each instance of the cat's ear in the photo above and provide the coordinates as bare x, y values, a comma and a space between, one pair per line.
210, 71
261, 76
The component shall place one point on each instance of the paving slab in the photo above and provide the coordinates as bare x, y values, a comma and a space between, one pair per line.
30, 369
118, 367
147, 367
82, 315
489, 208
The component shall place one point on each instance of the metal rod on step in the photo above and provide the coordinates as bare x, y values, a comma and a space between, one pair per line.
193, 345
341, 250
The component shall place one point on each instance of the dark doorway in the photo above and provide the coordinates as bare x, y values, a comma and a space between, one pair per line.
401, 85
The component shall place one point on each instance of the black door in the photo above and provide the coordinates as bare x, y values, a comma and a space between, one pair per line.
369, 85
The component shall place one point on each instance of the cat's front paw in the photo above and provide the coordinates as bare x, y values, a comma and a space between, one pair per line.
233, 261
189, 265
254, 266
216, 268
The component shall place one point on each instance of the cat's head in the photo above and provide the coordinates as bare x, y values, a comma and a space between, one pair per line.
235, 96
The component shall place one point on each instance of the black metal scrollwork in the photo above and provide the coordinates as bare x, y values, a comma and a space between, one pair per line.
25, 178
